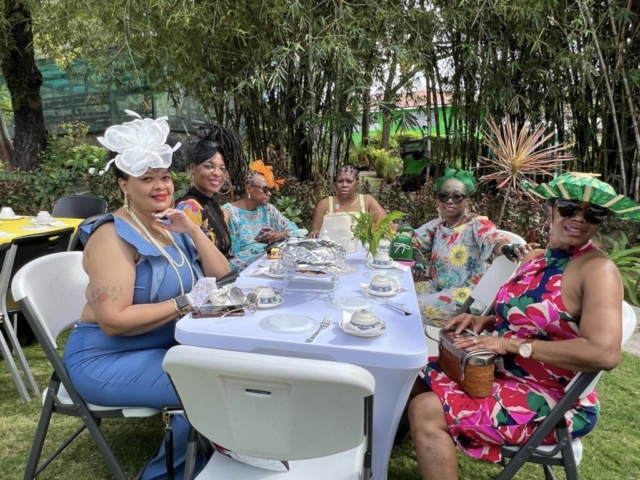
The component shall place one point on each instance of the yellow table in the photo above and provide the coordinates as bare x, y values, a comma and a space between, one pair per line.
12, 229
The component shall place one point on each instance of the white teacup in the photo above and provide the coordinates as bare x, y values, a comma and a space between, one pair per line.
382, 258
7, 212
276, 268
266, 295
363, 320
380, 284
44, 218
384, 245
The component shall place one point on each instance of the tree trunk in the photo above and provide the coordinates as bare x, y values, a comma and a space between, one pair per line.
366, 115
23, 81
6, 145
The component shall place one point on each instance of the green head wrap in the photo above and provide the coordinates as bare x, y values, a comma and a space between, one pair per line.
464, 176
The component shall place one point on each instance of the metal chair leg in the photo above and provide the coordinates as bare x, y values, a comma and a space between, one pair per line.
13, 369
39, 438
102, 444
548, 472
21, 358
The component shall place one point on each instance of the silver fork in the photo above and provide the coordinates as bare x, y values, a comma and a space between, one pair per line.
326, 321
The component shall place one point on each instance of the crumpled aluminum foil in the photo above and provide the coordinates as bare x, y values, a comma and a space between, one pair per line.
312, 254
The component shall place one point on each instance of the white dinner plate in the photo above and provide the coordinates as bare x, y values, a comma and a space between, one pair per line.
351, 303
35, 227
273, 275
290, 324
346, 327
394, 291
17, 217
277, 303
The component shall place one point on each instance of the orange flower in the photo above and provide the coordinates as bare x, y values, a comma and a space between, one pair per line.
267, 172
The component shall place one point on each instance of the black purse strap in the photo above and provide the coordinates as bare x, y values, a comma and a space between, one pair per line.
167, 412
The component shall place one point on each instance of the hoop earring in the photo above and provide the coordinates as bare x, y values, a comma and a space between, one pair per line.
220, 192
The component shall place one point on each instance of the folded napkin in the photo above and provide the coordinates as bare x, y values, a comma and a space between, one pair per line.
258, 271
5, 235
401, 267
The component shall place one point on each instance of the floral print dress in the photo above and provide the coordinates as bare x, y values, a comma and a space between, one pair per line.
524, 390
244, 225
459, 258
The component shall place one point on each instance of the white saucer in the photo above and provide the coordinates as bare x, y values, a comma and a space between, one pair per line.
279, 301
17, 217
385, 267
351, 303
394, 291
290, 324
346, 327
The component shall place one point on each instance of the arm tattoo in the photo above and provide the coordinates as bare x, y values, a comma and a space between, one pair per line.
106, 294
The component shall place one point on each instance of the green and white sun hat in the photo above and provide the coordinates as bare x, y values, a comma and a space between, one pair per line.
584, 187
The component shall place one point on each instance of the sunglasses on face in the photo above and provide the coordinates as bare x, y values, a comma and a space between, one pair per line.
456, 198
265, 189
592, 214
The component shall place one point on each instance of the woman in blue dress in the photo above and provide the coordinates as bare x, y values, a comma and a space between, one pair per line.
142, 262
248, 216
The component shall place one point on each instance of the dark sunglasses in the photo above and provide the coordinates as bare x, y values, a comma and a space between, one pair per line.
592, 214
265, 189
456, 198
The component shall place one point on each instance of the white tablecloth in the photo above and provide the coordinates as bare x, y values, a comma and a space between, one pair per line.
394, 358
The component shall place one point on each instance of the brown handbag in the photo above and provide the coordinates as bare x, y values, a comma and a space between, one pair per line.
473, 371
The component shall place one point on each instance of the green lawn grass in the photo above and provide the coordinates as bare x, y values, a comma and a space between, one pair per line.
612, 451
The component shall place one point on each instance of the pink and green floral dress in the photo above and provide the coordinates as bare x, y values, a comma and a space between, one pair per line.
458, 258
524, 390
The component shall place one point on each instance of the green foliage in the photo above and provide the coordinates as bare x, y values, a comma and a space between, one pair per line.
287, 206
627, 259
370, 232
5, 105
385, 165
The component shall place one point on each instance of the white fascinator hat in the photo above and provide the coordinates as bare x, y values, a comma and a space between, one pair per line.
140, 144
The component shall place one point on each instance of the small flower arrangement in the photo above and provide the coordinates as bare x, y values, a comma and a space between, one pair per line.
370, 232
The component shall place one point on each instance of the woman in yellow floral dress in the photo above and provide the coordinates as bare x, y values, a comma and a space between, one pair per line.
459, 245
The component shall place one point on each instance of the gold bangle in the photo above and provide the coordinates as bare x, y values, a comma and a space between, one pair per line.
175, 305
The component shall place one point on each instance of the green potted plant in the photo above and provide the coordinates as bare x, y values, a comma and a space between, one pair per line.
370, 232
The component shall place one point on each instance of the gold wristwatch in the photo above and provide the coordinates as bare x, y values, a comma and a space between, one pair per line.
525, 349
182, 305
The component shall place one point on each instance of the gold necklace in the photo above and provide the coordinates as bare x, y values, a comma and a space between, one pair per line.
351, 204
165, 254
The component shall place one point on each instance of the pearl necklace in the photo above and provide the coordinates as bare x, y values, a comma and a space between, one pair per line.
165, 254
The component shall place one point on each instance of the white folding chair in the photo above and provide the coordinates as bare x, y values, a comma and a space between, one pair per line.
498, 273
512, 237
567, 452
317, 415
51, 293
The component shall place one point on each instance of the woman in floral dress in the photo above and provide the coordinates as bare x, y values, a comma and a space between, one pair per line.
459, 245
560, 314
253, 212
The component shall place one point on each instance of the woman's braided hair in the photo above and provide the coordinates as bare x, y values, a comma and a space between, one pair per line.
210, 139
349, 170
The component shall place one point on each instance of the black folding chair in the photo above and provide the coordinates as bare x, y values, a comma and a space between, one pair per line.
23, 250
76, 245
51, 294
79, 206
